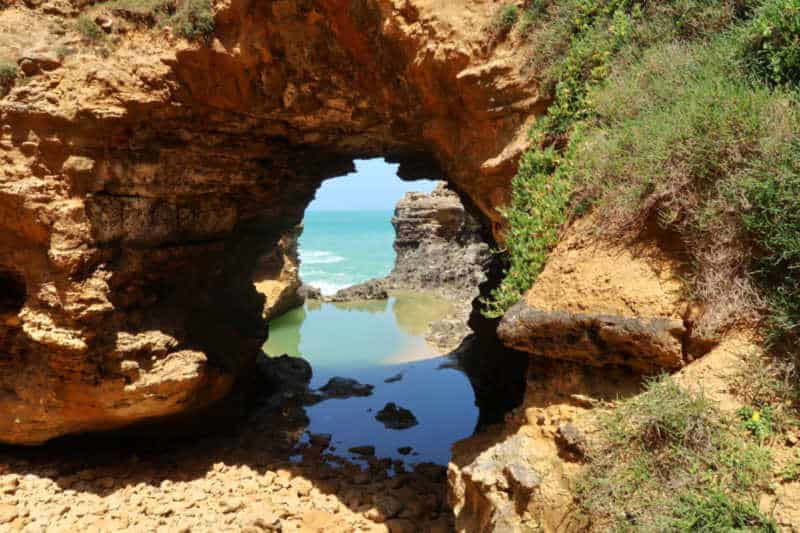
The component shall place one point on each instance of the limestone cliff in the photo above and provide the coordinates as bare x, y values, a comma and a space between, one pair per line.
278, 276
143, 176
439, 245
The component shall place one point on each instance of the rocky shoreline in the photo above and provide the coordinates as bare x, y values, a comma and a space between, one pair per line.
246, 479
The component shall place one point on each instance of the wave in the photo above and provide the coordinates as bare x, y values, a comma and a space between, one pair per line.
319, 257
327, 288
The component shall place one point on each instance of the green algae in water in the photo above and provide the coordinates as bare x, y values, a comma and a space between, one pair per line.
371, 341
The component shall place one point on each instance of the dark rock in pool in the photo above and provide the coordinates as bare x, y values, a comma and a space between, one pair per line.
320, 440
405, 450
366, 451
374, 289
394, 417
289, 373
345, 388
393, 379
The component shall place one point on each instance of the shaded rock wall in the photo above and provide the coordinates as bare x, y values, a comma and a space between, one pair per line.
143, 178
277, 276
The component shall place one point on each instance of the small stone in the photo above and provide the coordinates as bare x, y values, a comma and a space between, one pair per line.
393, 379
8, 513
320, 440
405, 450
366, 451
9, 485
388, 505
401, 525
105, 22
230, 505
570, 439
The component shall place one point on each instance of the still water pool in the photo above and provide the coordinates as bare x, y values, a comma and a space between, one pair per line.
370, 342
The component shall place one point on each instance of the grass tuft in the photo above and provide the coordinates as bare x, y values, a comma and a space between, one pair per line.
670, 460
504, 20
87, 27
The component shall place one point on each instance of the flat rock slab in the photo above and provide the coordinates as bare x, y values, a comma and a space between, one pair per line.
644, 344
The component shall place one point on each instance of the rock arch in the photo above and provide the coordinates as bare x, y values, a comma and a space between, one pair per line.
147, 197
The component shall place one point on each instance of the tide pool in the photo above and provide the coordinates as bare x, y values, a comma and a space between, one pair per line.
370, 342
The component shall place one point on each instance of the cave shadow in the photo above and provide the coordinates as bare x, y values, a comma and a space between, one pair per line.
258, 427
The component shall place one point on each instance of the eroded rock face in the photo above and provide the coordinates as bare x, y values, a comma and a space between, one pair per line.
606, 304
278, 276
140, 186
439, 244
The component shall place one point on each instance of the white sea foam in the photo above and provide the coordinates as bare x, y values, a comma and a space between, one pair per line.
319, 257
327, 288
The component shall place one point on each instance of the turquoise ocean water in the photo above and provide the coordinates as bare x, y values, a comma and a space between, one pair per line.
341, 248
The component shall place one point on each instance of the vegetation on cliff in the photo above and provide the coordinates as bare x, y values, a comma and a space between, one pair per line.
190, 19
680, 116
670, 460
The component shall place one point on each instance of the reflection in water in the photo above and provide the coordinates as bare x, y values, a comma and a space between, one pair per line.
415, 311
370, 306
368, 342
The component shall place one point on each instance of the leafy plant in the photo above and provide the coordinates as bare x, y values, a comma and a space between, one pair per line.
791, 471
538, 209
757, 422
8, 72
194, 19
505, 19
771, 47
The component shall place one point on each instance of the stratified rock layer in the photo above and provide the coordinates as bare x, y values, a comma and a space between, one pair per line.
606, 304
143, 178
439, 245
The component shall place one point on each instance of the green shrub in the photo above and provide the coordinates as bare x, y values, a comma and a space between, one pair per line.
772, 217
539, 200
771, 46
191, 19
757, 421
87, 27
576, 45
194, 19
8, 72
669, 460
505, 19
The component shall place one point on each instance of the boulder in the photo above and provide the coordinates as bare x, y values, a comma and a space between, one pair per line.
394, 417
338, 387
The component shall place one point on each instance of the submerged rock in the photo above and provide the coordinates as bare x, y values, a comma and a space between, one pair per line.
338, 387
366, 451
393, 379
394, 417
